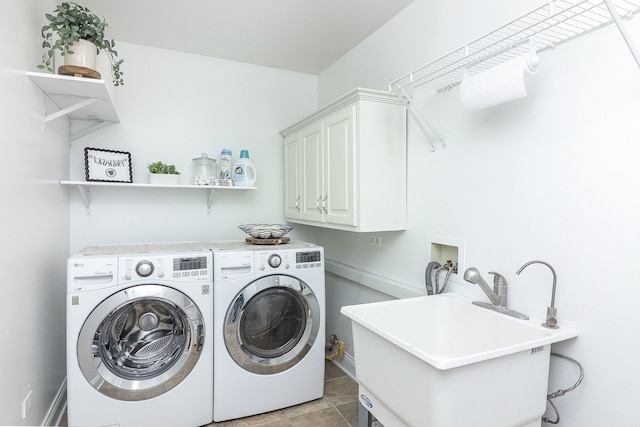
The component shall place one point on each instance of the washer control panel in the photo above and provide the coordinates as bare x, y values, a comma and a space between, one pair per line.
187, 267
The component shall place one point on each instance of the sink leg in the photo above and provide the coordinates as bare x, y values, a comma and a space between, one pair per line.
365, 419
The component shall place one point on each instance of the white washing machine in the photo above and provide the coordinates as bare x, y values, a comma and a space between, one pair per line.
139, 338
269, 307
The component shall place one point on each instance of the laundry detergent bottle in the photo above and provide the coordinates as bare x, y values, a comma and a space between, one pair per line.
244, 173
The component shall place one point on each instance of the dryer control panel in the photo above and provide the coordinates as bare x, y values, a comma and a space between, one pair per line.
251, 261
308, 259
288, 260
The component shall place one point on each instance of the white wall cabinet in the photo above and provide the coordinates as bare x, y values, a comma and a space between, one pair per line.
345, 165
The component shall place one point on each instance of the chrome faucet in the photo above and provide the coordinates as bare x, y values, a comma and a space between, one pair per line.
552, 311
497, 296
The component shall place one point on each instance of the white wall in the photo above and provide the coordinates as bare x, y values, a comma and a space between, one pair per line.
553, 176
34, 224
173, 107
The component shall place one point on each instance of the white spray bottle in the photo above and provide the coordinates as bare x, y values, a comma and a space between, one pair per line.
225, 164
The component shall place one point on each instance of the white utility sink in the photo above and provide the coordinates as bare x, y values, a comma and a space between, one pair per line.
440, 361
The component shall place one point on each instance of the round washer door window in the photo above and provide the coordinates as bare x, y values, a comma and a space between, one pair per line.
272, 324
140, 342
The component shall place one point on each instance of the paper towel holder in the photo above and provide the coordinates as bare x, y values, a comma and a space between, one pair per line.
533, 61
552, 24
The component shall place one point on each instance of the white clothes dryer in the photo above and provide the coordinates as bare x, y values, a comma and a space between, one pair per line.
139, 338
269, 307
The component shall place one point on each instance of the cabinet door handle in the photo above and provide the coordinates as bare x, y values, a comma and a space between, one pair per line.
324, 203
298, 203
318, 204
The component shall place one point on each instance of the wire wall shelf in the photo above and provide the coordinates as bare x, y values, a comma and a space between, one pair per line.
543, 28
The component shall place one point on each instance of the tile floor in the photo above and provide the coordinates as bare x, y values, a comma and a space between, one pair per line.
338, 407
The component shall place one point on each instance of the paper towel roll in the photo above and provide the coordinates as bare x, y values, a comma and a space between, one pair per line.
498, 84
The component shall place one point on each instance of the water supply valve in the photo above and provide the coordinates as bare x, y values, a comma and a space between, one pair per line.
449, 265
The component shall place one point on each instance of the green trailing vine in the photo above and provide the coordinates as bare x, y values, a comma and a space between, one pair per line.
71, 22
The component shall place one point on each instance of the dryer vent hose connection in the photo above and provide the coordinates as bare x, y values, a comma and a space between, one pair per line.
331, 344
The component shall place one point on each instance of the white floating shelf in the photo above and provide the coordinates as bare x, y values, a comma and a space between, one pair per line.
78, 98
84, 187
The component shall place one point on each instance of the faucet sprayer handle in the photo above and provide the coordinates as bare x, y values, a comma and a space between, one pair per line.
498, 279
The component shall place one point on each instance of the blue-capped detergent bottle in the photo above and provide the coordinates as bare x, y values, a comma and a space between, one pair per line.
244, 173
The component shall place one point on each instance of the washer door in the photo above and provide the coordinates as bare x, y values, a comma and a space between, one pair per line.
272, 324
140, 342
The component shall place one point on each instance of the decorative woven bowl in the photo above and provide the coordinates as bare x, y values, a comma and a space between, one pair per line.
266, 231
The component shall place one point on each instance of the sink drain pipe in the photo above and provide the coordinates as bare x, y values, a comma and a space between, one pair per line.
562, 392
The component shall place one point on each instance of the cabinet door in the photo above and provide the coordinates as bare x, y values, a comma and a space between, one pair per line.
311, 155
340, 188
292, 176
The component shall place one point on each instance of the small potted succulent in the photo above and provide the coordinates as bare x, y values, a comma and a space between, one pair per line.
163, 174
76, 27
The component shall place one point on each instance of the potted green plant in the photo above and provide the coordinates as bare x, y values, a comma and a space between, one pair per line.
72, 24
163, 174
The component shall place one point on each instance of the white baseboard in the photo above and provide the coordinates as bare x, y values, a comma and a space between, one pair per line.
374, 281
58, 406
347, 364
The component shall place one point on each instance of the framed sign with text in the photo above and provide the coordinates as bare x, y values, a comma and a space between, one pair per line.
107, 165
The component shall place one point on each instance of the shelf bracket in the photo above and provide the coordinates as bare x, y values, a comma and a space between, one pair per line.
615, 16
85, 194
432, 135
46, 118
97, 124
209, 200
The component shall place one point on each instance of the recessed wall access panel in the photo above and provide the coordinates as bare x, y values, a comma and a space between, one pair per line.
443, 249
